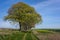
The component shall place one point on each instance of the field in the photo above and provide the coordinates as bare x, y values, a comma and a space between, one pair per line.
48, 34
36, 34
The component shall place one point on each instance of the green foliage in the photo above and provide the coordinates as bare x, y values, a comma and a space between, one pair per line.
23, 13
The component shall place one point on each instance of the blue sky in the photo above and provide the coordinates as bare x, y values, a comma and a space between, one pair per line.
49, 10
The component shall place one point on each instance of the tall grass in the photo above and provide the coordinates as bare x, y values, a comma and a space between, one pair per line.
13, 36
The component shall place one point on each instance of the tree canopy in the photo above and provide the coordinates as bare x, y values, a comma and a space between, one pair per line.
24, 14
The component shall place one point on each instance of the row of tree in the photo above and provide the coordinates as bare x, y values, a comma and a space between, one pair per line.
24, 14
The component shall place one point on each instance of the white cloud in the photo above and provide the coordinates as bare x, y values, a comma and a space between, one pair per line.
46, 3
49, 10
49, 5
6, 24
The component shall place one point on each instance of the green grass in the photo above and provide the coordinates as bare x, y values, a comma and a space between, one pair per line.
31, 36
16, 35
28, 37
34, 37
13, 36
43, 31
55, 30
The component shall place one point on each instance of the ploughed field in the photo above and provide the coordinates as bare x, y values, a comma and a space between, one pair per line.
36, 34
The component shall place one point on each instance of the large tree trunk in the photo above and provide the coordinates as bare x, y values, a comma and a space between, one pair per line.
20, 26
26, 28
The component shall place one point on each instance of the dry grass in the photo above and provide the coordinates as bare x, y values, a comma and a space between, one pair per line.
47, 35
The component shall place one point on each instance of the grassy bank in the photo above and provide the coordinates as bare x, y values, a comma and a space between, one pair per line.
42, 34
